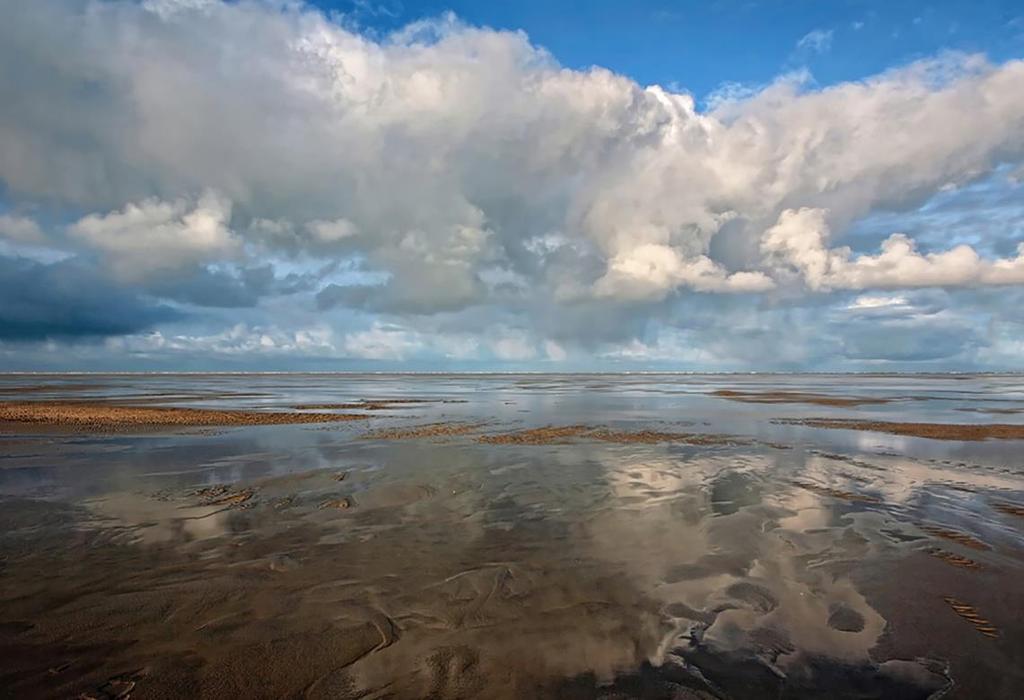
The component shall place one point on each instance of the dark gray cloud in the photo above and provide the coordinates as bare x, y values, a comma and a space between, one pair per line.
230, 288
907, 342
69, 300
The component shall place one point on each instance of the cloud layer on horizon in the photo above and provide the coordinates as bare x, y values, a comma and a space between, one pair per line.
452, 190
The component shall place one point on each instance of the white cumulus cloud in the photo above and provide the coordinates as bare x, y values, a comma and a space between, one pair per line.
153, 235
799, 242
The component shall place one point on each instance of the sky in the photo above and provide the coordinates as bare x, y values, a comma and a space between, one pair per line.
541, 186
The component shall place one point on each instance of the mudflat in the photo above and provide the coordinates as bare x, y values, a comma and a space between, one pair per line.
507, 537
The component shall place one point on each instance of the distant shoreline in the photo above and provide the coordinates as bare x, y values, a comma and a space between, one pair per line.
471, 373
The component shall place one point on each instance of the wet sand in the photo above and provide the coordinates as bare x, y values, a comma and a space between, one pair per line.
563, 539
416, 432
373, 404
553, 435
96, 416
934, 431
794, 397
549, 435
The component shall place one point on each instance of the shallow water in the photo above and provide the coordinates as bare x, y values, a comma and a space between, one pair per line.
311, 560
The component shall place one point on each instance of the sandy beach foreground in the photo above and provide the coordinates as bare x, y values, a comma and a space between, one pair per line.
507, 537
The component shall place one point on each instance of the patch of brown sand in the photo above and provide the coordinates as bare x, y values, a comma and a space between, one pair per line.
1009, 509
99, 416
934, 431
651, 437
422, 431
536, 436
955, 536
970, 613
795, 397
955, 559
224, 495
339, 503
1003, 411
550, 435
371, 404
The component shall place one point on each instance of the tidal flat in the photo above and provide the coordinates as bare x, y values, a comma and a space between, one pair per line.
511, 536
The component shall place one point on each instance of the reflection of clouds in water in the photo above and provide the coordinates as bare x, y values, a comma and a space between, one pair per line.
467, 566
723, 539
150, 521
800, 573
569, 559
732, 491
702, 535
809, 511
897, 480
912, 491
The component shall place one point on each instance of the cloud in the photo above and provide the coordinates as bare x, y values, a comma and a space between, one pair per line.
650, 271
381, 342
20, 229
513, 346
229, 286
448, 147
332, 231
69, 300
877, 302
473, 177
238, 340
817, 40
156, 236
671, 346
798, 241
554, 351
167, 9
908, 338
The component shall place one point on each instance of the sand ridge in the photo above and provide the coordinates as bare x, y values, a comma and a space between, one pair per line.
935, 431
429, 430
102, 416
372, 404
795, 397
552, 435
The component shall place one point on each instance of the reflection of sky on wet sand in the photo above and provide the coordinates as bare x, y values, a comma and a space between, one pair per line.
467, 570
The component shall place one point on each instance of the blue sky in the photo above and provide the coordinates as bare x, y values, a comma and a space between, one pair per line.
556, 186
698, 46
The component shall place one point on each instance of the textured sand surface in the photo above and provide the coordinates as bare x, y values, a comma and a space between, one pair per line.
102, 416
553, 435
935, 431
795, 397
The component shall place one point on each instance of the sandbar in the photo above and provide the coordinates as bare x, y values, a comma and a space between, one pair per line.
551, 435
103, 416
934, 431
795, 397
